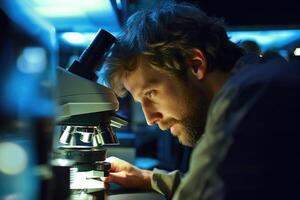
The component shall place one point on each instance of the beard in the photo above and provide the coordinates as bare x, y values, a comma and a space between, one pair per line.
192, 128
193, 124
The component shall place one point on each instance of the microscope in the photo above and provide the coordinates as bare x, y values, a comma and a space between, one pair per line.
86, 117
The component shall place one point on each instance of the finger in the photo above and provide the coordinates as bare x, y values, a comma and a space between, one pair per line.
105, 179
117, 165
118, 178
113, 163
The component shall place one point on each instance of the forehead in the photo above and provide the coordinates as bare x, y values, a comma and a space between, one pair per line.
143, 77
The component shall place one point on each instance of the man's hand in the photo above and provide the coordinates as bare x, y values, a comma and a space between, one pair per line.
127, 175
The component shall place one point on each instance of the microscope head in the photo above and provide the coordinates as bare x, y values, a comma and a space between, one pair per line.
86, 107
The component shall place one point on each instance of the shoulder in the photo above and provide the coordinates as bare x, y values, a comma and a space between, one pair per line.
263, 118
258, 94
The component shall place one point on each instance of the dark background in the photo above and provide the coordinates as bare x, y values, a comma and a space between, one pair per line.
241, 13
253, 13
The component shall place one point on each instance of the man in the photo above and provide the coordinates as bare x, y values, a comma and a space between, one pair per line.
239, 112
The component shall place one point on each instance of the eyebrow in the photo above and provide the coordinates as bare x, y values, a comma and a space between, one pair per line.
150, 83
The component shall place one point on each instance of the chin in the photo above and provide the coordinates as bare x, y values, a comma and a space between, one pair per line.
185, 142
183, 137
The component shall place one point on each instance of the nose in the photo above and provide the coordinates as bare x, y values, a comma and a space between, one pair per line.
151, 115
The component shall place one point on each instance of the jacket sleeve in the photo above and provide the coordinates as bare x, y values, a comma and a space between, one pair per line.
165, 182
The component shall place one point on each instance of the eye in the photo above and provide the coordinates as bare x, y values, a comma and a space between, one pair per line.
150, 94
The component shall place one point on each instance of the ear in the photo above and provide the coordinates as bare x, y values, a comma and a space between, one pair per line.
198, 64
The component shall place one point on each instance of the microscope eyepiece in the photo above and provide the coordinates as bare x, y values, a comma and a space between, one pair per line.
92, 57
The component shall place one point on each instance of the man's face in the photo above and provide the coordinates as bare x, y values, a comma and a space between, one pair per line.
170, 103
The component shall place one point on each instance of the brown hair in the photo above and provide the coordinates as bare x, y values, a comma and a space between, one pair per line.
166, 37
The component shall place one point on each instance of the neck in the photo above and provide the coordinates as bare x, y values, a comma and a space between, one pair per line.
215, 81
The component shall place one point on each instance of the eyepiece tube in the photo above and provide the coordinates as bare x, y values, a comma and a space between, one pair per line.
93, 56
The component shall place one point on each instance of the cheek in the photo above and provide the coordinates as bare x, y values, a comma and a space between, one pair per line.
175, 104
173, 98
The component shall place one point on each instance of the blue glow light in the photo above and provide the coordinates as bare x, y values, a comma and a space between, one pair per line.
74, 38
266, 38
79, 39
17, 168
26, 95
146, 163
297, 52
75, 15
69, 8
119, 4
32, 60
13, 157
